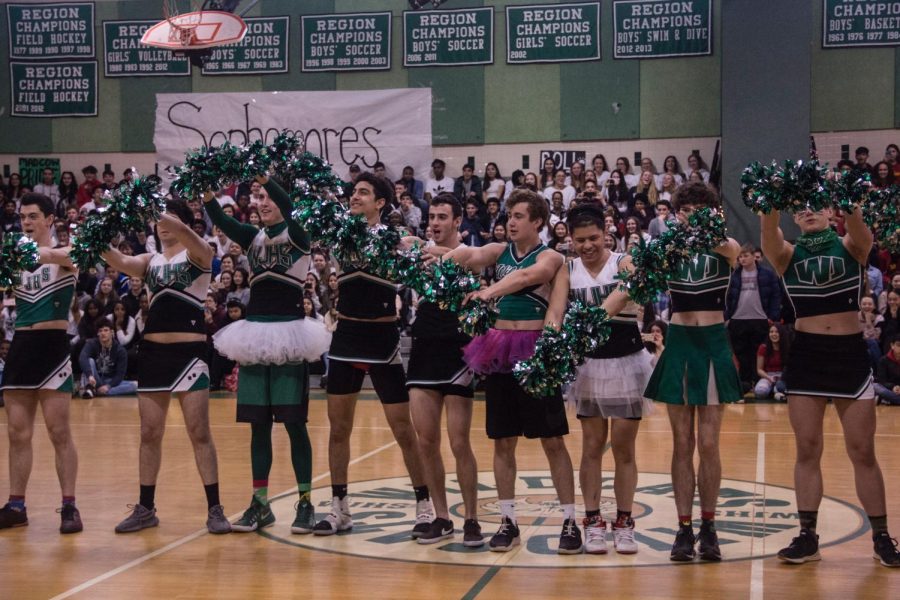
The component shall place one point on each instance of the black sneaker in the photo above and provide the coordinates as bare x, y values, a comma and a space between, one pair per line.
10, 517
506, 538
803, 548
708, 546
441, 529
569, 538
886, 550
683, 548
71, 519
472, 537
88, 392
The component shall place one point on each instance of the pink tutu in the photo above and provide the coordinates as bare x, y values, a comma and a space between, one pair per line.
499, 350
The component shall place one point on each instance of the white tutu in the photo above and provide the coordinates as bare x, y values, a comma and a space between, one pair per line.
273, 343
612, 387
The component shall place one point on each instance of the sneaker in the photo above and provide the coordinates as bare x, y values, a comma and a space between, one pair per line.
440, 529
88, 392
594, 535
257, 516
683, 548
623, 537
506, 538
424, 518
216, 522
570, 538
472, 537
140, 518
803, 548
886, 550
779, 397
337, 520
708, 546
70, 519
305, 521
10, 517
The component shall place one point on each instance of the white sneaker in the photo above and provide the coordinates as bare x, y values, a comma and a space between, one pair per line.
337, 520
623, 538
595, 536
424, 518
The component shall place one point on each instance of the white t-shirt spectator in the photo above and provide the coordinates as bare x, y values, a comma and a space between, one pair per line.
51, 191
568, 193
435, 187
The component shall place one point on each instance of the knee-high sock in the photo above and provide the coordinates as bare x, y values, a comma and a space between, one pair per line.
261, 459
301, 456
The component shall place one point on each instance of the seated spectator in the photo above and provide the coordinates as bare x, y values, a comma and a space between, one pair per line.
132, 299
468, 186
414, 186
226, 265
140, 319
220, 366
887, 379
124, 325
696, 164
576, 176
654, 338
633, 227
672, 168
238, 256
617, 194
223, 286
559, 239
883, 296
473, 227
499, 234
891, 324
106, 295
493, 184
412, 214
642, 211
662, 221
438, 182
103, 365
770, 363
9, 218
240, 287
871, 323
559, 184
883, 177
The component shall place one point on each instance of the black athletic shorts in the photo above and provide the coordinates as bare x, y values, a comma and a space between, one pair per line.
438, 365
365, 342
831, 366
176, 367
511, 412
389, 380
39, 359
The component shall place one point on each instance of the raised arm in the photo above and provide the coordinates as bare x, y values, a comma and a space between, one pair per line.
730, 249
559, 298
542, 271
236, 231
134, 266
281, 199
776, 250
198, 250
858, 240
56, 256
476, 259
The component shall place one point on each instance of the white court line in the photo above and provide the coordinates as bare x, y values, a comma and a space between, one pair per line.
189, 538
756, 565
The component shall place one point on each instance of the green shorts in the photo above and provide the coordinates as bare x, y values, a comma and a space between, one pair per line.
269, 393
696, 368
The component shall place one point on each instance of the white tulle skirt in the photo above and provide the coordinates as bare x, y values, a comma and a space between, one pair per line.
273, 343
612, 387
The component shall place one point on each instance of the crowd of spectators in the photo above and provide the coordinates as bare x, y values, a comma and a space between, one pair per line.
109, 313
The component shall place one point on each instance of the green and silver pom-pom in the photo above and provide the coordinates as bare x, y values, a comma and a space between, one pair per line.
881, 212
558, 354
850, 189
129, 207
790, 187
447, 284
655, 263
18, 253
476, 317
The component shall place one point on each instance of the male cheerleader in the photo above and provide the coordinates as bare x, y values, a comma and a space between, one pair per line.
694, 376
525, 270
39, 369
828, 359
172, 359
438, 377
367, 340
272, 346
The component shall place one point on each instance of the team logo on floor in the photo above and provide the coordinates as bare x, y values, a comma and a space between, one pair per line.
754, 520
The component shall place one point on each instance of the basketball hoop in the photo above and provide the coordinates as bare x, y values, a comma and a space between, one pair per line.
198, 29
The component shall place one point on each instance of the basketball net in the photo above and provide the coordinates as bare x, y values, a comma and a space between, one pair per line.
183, 30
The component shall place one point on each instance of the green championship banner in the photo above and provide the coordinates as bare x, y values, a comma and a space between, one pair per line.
861, 23
346, 42
50, 31
553, 33
263, 50
63, 89
32, 169
662, 28
448, 37
124, 56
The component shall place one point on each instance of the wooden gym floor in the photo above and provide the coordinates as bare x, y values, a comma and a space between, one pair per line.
180, 560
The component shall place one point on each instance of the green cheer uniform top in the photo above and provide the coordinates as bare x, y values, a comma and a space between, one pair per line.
527, 304
45, 294
823, 281
701, 283
178, 287
278, 257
